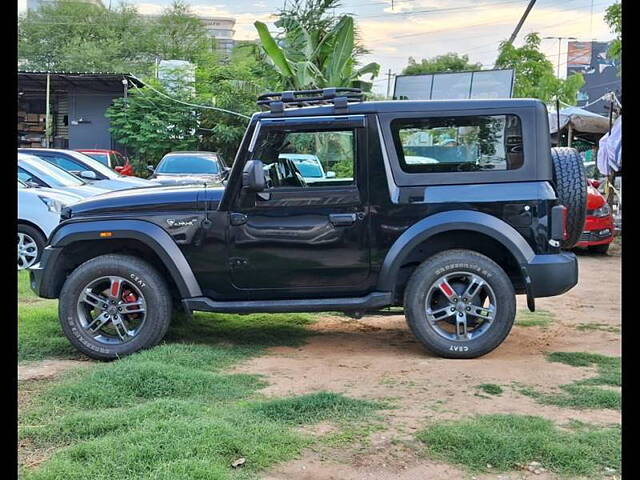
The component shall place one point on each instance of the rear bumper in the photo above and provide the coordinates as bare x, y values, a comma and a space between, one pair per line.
552, 274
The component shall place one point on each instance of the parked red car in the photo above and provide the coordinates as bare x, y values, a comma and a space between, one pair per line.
112, 159
598, 229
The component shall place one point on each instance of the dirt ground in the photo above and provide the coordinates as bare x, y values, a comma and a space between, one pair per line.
376, 357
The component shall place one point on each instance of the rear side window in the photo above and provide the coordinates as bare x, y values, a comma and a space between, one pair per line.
458, 144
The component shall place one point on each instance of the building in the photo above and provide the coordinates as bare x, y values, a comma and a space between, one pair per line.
35, 4
599, 71
221, 30
77, 106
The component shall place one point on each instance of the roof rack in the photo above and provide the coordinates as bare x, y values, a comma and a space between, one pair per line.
338, 97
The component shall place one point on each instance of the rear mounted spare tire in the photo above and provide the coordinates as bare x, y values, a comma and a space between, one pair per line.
571, 186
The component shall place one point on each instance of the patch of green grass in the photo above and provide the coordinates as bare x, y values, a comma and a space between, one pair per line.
258, 329
170, 412
609, 368
603, 327
490, 388
585, 393
40, 335
315, 408
539, 318
25, 294
507, 441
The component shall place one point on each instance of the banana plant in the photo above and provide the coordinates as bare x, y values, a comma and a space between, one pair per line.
309, 60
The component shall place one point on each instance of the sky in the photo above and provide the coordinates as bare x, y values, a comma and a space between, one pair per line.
426, 28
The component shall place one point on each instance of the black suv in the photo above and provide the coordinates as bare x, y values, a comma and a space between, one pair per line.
447, 208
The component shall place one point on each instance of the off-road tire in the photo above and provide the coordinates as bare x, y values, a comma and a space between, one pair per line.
150, 283
570, 180
427, 273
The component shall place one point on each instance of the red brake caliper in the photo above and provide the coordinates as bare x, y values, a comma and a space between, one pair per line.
129, 297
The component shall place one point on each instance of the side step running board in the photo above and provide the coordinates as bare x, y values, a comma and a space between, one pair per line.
372, 301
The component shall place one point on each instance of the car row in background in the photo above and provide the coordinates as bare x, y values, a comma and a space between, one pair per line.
112, 159
87, 168
50, 179
38, 214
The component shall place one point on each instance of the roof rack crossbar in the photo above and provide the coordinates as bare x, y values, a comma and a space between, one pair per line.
340, 97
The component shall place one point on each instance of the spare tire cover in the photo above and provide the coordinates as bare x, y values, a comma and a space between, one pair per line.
571, 187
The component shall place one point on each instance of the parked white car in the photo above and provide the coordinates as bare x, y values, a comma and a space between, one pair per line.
34, 171
38, 214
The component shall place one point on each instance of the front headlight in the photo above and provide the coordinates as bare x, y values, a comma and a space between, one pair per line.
603, 211
53, 205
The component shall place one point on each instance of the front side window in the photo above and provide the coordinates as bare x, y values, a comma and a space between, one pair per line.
307, 158
458, 144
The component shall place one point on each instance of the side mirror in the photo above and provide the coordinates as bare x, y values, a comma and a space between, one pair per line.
88, 174
118, 168
253, 179
331, 174
151, 168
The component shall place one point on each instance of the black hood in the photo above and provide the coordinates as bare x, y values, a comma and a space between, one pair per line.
142, 200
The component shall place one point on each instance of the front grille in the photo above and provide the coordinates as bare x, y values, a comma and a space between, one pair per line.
595, 235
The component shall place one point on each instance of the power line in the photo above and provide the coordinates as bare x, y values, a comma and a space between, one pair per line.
190, 104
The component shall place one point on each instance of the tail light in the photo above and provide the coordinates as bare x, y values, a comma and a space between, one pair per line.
559, 223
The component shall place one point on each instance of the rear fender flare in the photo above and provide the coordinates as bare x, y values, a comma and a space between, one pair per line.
450, 221
148, 233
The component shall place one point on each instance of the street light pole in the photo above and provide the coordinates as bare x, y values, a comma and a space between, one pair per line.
559, 45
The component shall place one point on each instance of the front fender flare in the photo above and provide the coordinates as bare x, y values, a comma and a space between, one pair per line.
449, 221
148, 233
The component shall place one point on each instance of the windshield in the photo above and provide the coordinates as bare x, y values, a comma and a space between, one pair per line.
308, 168
101, 157
201, 164
54, 176
94, 164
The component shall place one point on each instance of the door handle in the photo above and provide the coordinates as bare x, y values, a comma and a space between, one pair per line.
342, 219
238, 219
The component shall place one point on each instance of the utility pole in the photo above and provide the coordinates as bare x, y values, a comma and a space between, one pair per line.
559, 45
389, 75
522, 19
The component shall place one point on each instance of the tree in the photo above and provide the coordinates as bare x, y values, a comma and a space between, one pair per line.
449, 62
232, 86
151, 124
534, 77
316, 49
178, 34
613, 18
67, 35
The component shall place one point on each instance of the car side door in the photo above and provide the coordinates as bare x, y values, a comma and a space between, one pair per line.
297, 238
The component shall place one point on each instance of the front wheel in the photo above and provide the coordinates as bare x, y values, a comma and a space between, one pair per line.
460, 304
30, 245
114, 305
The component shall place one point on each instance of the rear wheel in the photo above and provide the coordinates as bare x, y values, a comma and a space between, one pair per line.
114, 305
460, 304
571, 186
